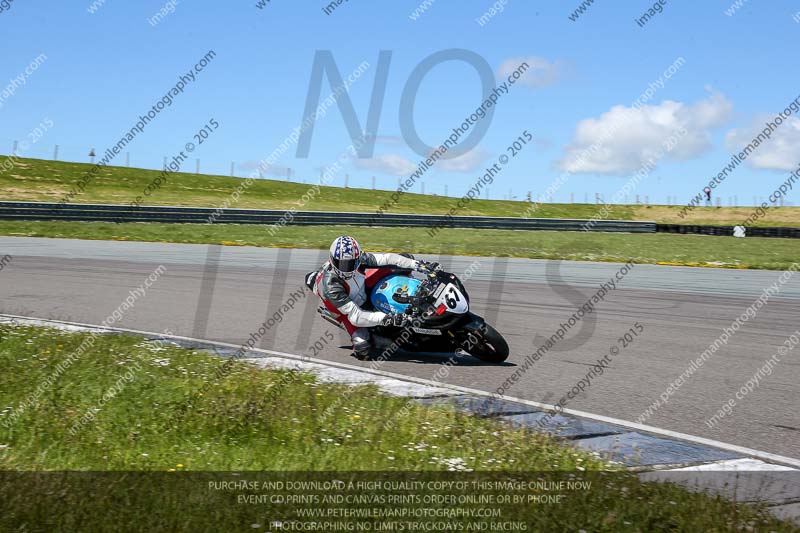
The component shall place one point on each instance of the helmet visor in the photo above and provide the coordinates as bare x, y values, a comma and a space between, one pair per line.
345, 266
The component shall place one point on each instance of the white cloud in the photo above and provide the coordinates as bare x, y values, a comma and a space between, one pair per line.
393, 164
467, 162
540, 72
623, 138
780, 152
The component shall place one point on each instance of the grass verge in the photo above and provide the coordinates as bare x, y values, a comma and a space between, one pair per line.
238, 423
256, 420
657, 248
37, 180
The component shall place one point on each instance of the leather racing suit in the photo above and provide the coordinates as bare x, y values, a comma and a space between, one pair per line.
346, 298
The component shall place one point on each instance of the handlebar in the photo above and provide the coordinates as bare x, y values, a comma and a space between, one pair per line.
420, 299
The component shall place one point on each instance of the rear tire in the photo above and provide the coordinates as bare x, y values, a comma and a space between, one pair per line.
491, 346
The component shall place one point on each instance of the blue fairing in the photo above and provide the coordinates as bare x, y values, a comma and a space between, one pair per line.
383, 292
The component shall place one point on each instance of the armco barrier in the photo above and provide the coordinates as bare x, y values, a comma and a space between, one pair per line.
201, 215
783, 233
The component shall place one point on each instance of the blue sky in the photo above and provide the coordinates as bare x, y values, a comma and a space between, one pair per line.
104, 69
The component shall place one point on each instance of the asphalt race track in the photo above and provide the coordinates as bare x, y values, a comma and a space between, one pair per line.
225, 293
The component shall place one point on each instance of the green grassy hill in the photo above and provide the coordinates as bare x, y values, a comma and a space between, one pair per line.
49, 181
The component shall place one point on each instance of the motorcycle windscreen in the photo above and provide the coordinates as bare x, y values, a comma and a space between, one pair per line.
391, 293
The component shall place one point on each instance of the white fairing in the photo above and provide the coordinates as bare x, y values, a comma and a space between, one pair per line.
453, 299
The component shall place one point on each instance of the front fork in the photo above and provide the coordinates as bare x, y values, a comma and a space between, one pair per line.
470, 332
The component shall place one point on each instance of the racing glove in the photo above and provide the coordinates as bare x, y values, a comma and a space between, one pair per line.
398, 321
426, 267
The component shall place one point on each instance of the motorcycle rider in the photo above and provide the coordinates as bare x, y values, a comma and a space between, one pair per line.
341, 284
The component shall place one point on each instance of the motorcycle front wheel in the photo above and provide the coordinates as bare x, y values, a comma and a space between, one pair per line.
490, 346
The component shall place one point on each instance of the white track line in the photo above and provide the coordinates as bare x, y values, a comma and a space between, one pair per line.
765, 456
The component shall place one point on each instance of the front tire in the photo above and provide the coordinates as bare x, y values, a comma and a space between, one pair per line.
490, 346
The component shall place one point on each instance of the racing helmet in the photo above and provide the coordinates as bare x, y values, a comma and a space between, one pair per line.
345, 256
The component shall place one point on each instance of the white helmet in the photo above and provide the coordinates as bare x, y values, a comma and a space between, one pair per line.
345, 256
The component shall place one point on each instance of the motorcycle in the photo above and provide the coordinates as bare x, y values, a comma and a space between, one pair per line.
438, 308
